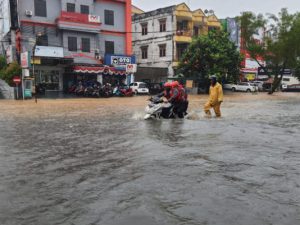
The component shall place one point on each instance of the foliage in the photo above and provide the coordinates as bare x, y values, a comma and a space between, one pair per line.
8, 72
280, 44
212, 54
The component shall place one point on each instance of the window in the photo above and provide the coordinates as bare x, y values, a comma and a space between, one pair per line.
85, 45
196, 31
42, 41
109, 47
162, 50
40, 8
162, 25
72, 44
109, 17
70, 7
84, 9
286, 79
144, 52
144, 29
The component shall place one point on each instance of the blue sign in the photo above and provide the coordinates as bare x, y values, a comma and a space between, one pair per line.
119, 60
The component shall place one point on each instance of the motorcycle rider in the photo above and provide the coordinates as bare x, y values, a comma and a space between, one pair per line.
178, 99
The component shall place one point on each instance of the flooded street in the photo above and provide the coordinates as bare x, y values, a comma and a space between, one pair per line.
97, 162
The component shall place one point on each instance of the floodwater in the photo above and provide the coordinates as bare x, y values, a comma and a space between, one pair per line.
97, 162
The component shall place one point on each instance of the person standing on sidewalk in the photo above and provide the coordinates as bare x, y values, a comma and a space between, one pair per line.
215, 97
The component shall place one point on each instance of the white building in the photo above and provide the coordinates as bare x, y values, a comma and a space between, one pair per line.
160, 38
4, 23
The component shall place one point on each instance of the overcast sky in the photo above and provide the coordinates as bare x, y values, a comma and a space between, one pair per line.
225, 8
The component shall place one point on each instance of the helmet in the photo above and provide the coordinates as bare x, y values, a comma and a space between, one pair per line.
175, 84
167, 84
213, 77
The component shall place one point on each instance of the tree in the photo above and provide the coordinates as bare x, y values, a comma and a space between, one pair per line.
211, 54
8, 72
279, 46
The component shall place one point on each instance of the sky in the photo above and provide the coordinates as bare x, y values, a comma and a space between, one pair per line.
225, 8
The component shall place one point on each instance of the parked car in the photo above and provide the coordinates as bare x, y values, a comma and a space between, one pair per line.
139, 88
245, 86
292, 88
155, 88
228, 86
259, 85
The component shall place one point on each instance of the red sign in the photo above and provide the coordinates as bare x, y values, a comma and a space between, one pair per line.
17, 80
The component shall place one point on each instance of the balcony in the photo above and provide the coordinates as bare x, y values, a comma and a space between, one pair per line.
184, 36
79, 22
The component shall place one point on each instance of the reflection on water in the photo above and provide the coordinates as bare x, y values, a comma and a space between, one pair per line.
118, 169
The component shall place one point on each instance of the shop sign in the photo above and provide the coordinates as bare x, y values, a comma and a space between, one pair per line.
36, 61
45, 51
25, 60
131, 68
94, 19
119, 60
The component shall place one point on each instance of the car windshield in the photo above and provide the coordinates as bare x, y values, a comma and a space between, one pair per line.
142, 86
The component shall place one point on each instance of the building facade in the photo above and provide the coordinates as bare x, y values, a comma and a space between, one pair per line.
160, 38
74, 39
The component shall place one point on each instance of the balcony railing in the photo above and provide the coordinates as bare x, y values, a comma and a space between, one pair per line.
185, 33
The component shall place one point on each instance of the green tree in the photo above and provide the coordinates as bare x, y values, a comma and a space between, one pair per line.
8, 72
280, 45
211, 54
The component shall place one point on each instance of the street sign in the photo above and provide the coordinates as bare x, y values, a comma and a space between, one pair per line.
17, 80
131, 68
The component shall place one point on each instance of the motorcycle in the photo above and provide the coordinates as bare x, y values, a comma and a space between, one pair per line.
157, 109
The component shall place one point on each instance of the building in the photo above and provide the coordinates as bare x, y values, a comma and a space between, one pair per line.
72, 40
136, 10
160, 37
4, 23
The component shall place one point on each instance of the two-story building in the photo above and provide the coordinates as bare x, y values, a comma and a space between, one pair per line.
160, 38
75, 39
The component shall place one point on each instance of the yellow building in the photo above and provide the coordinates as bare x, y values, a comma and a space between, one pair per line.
136, 10
191, 24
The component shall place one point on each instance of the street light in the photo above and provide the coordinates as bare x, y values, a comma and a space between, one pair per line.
37, 36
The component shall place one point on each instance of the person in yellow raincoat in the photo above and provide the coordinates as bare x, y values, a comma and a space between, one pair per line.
215, 98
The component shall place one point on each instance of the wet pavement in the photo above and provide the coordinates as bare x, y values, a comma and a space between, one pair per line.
97, 162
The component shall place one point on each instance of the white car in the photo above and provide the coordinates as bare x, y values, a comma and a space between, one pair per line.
245, 86
139, 88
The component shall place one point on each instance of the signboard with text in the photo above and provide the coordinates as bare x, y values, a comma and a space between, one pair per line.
131, 68
25, 60
94, 19
119, 60
45, 51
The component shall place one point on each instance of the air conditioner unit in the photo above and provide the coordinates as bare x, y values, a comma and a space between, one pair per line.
28, 12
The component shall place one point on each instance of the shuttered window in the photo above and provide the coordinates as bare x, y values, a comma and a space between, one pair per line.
40, 8
72, 44
109, 47
70, 7
109, 17
84, 9
85, 45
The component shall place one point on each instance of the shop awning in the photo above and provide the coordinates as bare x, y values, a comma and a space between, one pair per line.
98, 70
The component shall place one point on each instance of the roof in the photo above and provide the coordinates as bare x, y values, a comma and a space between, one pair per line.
159, 11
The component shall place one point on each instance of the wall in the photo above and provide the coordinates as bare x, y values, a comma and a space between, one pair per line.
119, 15
153, 40
53, 11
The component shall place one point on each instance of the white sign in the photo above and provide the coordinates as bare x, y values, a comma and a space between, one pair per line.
25, 72
45, 51
131, 68
9, 55
25, 60
94, 19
